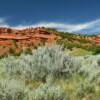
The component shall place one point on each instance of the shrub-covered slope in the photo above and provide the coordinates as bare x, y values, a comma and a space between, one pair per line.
15, 41
50, 73
90, 43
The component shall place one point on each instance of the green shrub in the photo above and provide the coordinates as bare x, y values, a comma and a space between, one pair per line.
11, 90
47, 65
48, 92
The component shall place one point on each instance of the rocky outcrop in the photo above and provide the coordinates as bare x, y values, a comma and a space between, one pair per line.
97, 40
26, 37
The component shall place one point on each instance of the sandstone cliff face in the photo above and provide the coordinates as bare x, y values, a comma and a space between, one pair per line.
30, 37
25, 38
97, 40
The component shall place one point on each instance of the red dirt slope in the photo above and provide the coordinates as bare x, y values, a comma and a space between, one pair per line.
9, 38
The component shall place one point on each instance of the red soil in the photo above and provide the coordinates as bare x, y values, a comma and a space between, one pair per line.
30, 37
26, 37
96, 39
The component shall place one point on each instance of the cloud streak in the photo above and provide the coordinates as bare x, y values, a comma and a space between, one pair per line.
88, 27
3, 22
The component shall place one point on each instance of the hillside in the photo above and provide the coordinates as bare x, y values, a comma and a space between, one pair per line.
68, 71
15, 41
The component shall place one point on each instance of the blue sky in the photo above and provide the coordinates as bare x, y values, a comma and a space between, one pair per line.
66, 15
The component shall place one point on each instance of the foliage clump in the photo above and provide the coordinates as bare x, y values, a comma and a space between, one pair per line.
50, 73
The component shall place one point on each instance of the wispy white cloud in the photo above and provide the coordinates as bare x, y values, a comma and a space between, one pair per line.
88, 27
3, 22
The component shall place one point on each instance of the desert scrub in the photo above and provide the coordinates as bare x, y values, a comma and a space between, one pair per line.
47, 92
51, 61
90, 68
12, 90
44, 62
34, 76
